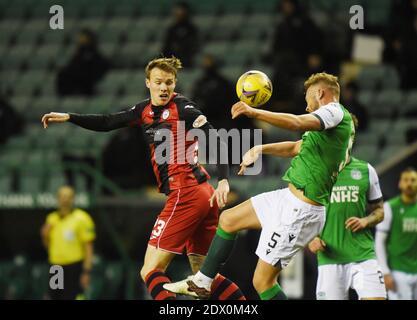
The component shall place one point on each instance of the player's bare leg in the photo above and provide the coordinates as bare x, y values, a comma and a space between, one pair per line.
152, 272
196, 261
265, 282
231, 221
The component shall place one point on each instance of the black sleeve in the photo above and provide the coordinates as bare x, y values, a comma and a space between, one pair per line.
219, 149
189, 113
107, 122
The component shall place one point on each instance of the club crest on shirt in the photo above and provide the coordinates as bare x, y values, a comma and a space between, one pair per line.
165, 114
200, 121
69, 235
356, 174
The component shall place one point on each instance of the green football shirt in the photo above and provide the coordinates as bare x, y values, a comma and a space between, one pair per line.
323, 153
400, 223
356, 185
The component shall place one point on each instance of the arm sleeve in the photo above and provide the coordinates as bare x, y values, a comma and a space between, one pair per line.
329, 115
87, 229
374, 191
385, 225
219, 150
107, 122
381, 252
194, 119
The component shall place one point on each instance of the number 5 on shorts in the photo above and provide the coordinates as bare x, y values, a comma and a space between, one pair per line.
274, 240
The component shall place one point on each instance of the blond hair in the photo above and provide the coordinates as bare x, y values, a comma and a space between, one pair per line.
329, 80
170, 65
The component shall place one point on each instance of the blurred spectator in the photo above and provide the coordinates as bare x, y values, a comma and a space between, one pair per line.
181, 38
401, 42
296, 36
11, 122
68, 235
297, 45
128, 172
216, 95
350, 100
85, 69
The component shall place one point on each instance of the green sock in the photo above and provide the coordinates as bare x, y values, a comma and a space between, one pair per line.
274, 293
220, 249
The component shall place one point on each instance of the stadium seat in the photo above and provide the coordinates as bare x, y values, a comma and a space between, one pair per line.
28, 83
367, 152
16, 56
387, 103
39, 281
113, 82
409, 106
370, 77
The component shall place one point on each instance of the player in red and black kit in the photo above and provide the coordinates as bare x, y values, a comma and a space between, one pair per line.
190, 216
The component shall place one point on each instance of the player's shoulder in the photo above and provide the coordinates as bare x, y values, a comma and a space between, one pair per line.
52, 217
393, 202
81, 214
184, 103
141, 104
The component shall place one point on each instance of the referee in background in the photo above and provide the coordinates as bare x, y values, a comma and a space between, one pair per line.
68, 235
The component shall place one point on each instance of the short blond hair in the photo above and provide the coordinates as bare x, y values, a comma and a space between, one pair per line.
170, 65
331, 81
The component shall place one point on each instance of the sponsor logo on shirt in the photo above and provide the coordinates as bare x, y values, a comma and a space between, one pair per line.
356, 174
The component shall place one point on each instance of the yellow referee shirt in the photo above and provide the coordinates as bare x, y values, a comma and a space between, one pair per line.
68, 235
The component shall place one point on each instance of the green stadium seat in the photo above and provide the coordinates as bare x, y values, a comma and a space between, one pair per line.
29, 82
410, 104
367, 152
370, 77
113, 82
16, 56
21, 103
114, 276
387, 102
5, 183
73, 104
10, 26
56, 180
45, 56
391, 79
39, 281
366, 98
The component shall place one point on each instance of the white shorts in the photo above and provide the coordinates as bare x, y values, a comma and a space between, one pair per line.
364, 277
288, 225
406, 285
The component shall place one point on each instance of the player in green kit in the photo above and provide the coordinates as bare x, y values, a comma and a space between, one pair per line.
345, 248
396, 240
289, 218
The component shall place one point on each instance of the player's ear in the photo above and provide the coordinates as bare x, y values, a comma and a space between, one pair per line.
148, 83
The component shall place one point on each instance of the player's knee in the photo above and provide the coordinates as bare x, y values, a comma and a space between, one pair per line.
144, 272
226, 222
261, 284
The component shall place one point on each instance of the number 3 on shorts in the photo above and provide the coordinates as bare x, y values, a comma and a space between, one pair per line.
157, 228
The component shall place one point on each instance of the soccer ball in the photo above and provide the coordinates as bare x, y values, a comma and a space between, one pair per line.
254, 88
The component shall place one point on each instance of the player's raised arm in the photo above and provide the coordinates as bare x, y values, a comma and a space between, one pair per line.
95, 122
287, 149
287, 121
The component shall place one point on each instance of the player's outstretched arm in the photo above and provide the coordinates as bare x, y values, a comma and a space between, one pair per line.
286, 149
305, 122
95, 122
